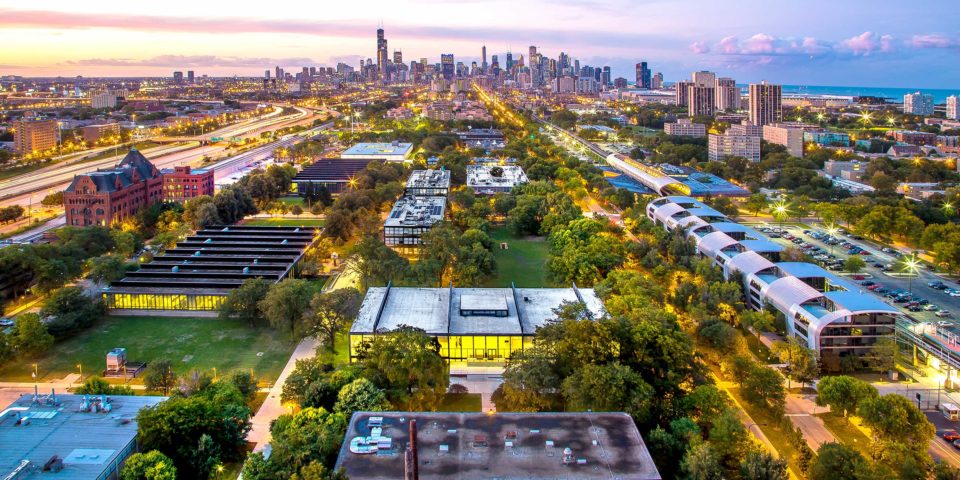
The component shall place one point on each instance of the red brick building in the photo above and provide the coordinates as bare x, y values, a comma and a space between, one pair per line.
183, 183
108, 197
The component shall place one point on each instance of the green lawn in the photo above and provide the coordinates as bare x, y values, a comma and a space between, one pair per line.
292, 200
285, 222
523, 263
190, 343
470, 402
775, 429
846, 433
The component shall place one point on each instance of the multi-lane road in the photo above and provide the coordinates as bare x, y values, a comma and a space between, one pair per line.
30, 188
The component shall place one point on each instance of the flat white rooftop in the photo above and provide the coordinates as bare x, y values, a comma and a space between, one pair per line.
479, 177
438, 310
413, 211
393, 150
429, 179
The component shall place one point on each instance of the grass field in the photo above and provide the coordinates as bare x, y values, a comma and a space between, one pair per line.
774, 428
285, 222
524, 263
189, 343
292, 200
470, 402
846, 433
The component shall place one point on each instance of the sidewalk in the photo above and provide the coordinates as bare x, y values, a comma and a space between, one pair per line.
272, 407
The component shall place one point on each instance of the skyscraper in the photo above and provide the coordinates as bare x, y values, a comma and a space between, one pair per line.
483, 64
447, 66
700, 100
953, 109
605, 76
509, 61
704, 78
765, 103
190, 76
382, 54
397, 57
656, 82
918, 103
683, 92
727, 94
178, 77
643, 75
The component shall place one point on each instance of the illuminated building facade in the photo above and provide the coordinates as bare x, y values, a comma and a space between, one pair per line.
471, 325
203, 269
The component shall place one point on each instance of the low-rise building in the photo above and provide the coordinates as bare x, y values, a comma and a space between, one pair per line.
181, 183
410, 218
70, 437
849, 170
738, 141
333, 174
919, 190
109, 197
826, 138
904, 150
428, 183
824, 312
684, 127
485, 138
492, 179
472, 325
93, 133
913, 137
505, 446
789, 135
388, 152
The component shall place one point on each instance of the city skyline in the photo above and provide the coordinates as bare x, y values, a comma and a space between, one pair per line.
854, 46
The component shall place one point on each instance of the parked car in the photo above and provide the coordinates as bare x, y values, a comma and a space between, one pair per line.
944, 314
915, 308
931, 308
6, 322
867, 283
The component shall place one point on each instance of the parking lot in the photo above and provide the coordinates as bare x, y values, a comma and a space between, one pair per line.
877, 277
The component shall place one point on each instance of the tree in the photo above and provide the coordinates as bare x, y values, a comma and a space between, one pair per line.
844, 394
125, 243
376, 263
99, 386
152, 465
29, 336
406, 363
764, 387
801, 361
900, 430
302, 444
177, 426
105, 268
361, 395
297, 210
159, 376
245, 382
608, 388
718, 335
244, 302
329, 314
756, 202
763, 466
835, 461
701, 463
70, 309
285, 304
854, 264
52, 199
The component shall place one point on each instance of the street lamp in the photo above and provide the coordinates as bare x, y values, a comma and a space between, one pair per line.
832, 231
912, 267
947, 208
780, 211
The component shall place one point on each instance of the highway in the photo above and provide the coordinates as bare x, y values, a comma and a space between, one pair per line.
33, 186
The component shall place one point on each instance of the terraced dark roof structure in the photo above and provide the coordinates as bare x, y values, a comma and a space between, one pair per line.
203, 268
333, 173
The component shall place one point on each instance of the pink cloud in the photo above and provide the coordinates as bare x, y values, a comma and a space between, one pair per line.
867, 43
699, 48
759, 44
933, 41
730, 45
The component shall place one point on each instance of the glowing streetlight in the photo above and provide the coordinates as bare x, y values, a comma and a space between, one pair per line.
948, 208
820, 117
911, 266
780, 212
832, 231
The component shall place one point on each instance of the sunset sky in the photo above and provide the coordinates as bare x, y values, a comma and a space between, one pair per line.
865, 43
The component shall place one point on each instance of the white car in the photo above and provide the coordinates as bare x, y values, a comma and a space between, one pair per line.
943, 314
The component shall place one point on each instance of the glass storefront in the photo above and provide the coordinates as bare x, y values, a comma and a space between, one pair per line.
468, 348
146, 301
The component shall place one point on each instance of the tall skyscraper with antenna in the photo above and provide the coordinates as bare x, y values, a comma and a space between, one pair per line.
483, 64
382, 55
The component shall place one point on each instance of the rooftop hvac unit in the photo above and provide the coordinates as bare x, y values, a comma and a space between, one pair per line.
116, 359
